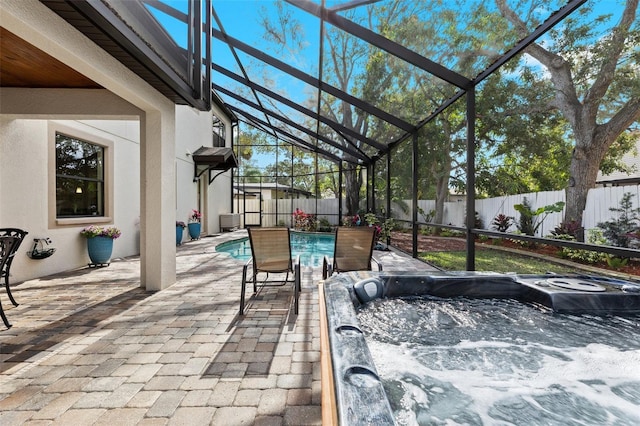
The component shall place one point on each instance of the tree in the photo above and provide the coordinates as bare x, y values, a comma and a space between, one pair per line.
596, 82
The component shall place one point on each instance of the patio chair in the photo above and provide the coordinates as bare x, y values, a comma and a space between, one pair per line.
8, 246
271, 253
353, 251
19, 234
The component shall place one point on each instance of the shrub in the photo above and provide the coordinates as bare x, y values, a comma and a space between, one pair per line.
324, 225
594, 236
477, 223
502, 222
616, 262
531, 220
572, 228
428, 217
304, 221
619, 232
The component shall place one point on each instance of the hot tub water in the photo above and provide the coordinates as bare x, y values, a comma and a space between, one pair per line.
487, 361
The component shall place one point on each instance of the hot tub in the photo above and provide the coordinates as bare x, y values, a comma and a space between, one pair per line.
579, 305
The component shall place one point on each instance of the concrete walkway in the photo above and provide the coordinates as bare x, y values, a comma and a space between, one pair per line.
90, 347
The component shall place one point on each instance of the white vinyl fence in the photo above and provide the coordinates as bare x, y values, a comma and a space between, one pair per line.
599, 201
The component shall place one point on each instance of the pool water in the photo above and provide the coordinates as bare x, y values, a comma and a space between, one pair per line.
311, 247
489, 361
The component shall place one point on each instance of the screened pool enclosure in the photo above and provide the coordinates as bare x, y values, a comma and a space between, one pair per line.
414, 110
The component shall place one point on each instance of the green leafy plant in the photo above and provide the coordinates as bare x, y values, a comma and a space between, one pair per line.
619, 232
387, 226
370, 219
428, 217
594, 236
324, 225
531, 220
616, 262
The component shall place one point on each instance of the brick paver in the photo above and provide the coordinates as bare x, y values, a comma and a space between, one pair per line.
90, 347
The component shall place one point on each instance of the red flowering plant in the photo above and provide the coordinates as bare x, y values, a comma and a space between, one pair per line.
304, 221
195, 216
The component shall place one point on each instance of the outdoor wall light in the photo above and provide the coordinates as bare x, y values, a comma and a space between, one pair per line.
78, 190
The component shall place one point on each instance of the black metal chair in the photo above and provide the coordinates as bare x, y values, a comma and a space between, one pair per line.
19, 234
8, 246
271, 252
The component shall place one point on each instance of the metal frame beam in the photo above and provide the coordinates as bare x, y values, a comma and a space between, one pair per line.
288, 102
287, 121
383, 43
301, 143
313, 81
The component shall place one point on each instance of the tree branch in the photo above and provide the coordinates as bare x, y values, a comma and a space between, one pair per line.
629, 113
610, 60
566, 97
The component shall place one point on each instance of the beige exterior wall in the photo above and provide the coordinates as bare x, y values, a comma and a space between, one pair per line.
25, 189
153, 181
194, 130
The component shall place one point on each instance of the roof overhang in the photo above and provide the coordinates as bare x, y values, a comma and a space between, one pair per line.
220, 159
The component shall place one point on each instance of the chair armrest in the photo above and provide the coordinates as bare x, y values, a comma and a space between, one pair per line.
327, 268
296, 262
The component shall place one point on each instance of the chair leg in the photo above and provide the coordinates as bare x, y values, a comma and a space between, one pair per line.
297, 288
243, 290
255, 278
6, 285
4, 317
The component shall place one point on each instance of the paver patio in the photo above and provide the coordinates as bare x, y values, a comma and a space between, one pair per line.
91, 347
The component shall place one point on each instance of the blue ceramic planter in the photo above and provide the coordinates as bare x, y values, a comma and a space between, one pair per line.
100, 249
194, 230
179, 231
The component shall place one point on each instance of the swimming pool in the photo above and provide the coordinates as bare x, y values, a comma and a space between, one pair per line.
311, 246
476, 349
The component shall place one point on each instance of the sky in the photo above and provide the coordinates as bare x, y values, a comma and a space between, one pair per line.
241, 19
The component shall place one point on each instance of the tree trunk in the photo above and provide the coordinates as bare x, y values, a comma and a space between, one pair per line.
585, 163
352, 184
442, 191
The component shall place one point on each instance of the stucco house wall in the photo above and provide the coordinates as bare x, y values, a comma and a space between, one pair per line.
25, 167
194, 130
153, 180
25, 174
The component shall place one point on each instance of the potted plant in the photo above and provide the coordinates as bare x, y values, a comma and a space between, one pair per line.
179, 230
100, 243
194, 224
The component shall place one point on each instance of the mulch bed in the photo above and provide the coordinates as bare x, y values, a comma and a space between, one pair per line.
403, 241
